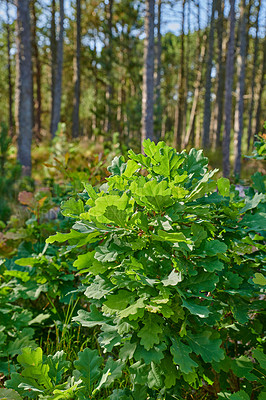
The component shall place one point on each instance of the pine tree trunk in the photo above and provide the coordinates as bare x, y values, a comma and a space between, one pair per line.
196, 94
10, 86
201, 49
179, 120
218, 111
109, 88
76, 78
261, 88
37, 73
254, 70
53, 47
148, 72
57, 94
228, 91
24, 86
240, 90
207, 99
158, 74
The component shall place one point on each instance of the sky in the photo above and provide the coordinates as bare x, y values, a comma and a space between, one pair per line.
171, 15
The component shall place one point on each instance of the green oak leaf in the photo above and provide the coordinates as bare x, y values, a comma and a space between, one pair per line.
118, 166
180, 353
200, 311
259, 279
213, 247
98, 289
155, 354
150, 332
88, 364
120, 300
9, 394
205, 346
135, 310
92, 318
224, 186
72, 208
154, 376
242, 366
252, 203
57, 366
261, 357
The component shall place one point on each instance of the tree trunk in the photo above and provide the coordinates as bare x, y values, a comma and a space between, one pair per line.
228, 91
158, 74
207, 99
10, 86
76, 78
254, 70
179, 120
201, 49
218, 111
58, 74
261, 88
37, 73
109, 88
196, 94
240, 90
24, 86
148, 72
53, 47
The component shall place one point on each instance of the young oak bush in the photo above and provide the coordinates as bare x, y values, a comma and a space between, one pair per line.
173, 273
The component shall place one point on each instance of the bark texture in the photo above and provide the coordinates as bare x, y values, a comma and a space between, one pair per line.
37, 74
179, 114
261, 89
148, 72
57, 90
10, 85
109, 88
76, 78
208, 84
228, 91
218, 110
24, 85
240, 90
158, 73
254, 70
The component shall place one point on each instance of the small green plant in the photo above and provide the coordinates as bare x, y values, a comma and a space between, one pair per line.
46, 377
173, 271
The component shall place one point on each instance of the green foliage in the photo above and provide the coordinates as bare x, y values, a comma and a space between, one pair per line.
9, 173
45, 377
173, 273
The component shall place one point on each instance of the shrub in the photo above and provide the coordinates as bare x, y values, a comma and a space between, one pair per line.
172, 267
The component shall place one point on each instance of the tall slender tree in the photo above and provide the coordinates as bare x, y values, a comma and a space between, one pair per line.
220, 67
158, 72
37, 72
254, 70
180, 107
208, 84
10, 85
76, 77
109, 87
228, 91
148, 72
261, 89
240, 89
201, 50
24, 85
57, 89
53, 49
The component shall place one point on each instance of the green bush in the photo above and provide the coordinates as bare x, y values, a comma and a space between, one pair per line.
172, 266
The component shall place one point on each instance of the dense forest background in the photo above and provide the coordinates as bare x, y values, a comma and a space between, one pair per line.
190, 72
